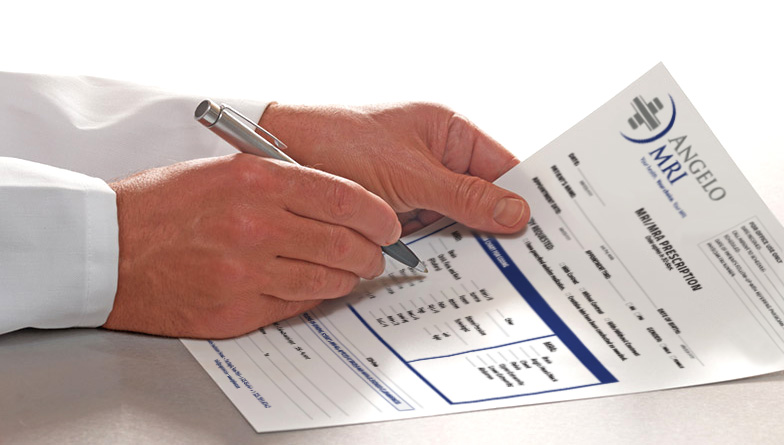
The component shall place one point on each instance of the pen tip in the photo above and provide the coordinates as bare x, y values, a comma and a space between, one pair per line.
421, 267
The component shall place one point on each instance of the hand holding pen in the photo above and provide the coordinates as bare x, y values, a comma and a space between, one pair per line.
214, 248
218, 247
248, 137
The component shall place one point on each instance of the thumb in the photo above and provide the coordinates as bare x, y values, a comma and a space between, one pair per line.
472, 201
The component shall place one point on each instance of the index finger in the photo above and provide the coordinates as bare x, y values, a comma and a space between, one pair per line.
470, 150
335, 200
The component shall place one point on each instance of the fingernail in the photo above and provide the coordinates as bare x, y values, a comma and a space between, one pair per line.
382, 267
509, 211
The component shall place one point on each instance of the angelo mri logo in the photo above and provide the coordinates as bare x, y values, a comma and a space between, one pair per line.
644, 117
675, 158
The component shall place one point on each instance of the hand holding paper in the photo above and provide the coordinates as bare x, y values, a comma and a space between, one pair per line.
423, 159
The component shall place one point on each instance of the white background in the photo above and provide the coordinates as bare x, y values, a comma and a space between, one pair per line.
523, 71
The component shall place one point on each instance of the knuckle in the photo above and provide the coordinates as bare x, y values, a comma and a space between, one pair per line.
340, 245
343, 198
459, 129
472, 190
370, 268
472, 195
242, 227
241, 165
248, 170
317, 281
325, 283
347, 284
231, 274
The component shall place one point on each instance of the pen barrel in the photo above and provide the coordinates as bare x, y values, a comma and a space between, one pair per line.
236, 132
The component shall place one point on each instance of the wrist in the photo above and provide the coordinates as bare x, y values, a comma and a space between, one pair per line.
275, 119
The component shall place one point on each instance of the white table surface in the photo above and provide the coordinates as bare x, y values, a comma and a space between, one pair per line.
93, 386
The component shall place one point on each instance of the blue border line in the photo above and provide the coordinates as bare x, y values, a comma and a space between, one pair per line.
524, 287
537, 303
431, 233
436, 390
427, 382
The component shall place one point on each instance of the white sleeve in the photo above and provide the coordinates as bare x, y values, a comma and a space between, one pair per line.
58, 247
58, 228
104, 128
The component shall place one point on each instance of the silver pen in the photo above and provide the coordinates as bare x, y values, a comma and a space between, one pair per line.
240, 132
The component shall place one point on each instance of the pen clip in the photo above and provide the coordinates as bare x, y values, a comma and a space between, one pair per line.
277, 142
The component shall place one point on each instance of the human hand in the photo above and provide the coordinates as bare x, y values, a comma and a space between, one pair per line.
423, 159
215, 248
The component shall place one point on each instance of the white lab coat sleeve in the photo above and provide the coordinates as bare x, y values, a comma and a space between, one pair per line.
59, 251
58, 221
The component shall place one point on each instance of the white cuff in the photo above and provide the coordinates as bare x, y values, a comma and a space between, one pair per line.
58, 264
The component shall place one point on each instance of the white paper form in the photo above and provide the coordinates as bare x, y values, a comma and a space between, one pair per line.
649, 263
